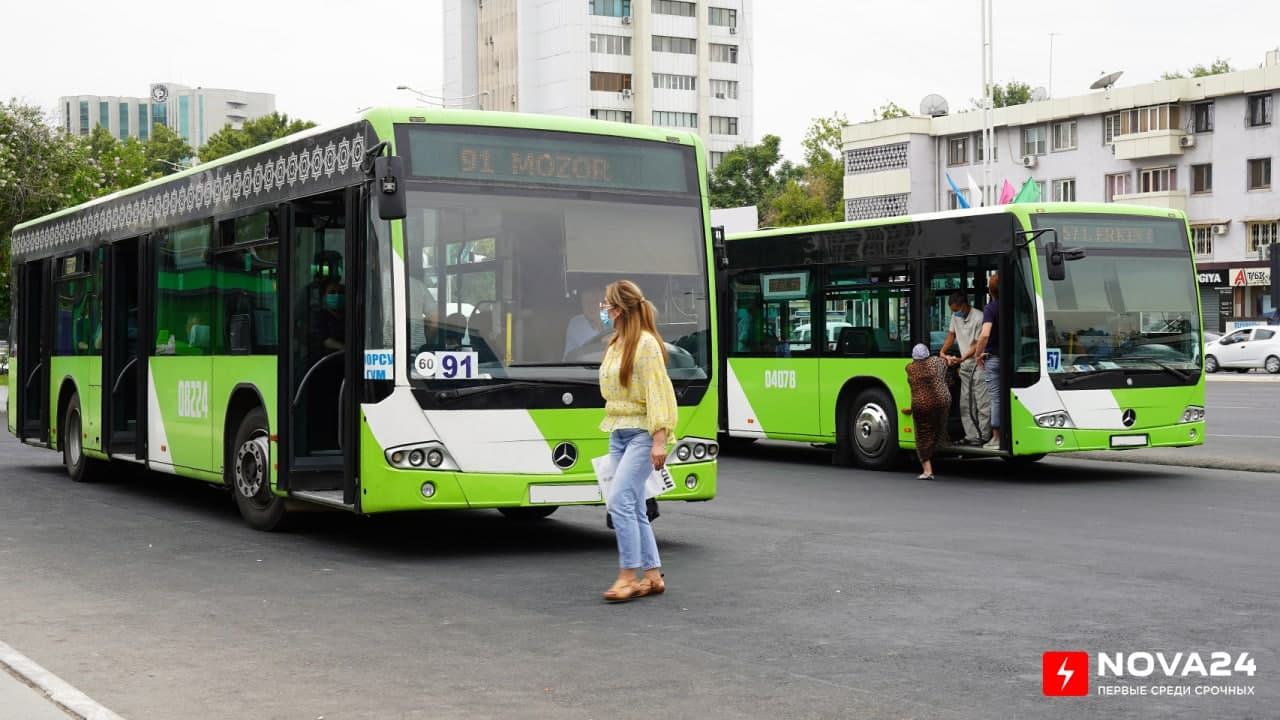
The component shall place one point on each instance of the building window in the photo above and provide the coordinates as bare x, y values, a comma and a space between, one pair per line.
610, 82
1202, 237
1259, 110
1110, 128
1117, 184
683, 46
1148, 119
144, 127
1202, 178
1202, 114
1064, 190
1163, 179
622, 116
104, 115
1261, 234
611, 8
1260, 174
722, 17
724, 89
977, 147
663, 81
724, 125
674, 7
875, 159
124, 121
160, 114
610, 44
714, 158
184, 117
66, 114
665, 118
724, 53
1064, 135
958, 151
1034, 140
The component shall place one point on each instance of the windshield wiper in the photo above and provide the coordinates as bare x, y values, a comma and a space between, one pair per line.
1090, 375
473, 390
1181, 375
556, 364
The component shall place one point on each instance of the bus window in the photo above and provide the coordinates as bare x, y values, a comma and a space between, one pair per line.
875, 301
773, 314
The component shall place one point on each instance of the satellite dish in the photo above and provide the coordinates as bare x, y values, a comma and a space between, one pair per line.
933, 105
1106, 81
1039, 94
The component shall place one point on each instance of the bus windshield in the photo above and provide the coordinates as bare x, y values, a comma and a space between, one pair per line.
1129, 305
518, 280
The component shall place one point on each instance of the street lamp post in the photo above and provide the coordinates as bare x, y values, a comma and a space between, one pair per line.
442, 101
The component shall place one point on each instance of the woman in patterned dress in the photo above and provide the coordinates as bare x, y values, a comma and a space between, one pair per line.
930, 401
640, 417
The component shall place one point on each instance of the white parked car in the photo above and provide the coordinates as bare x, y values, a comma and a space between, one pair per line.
1245, 349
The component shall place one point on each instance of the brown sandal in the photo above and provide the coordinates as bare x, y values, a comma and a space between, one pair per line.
657, 585
622, 592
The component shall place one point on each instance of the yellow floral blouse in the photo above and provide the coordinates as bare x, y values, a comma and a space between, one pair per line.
649, 402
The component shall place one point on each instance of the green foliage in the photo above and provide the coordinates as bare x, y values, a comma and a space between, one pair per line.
229, 140
746, 176
167, 151
1011, 93
1217, 67
889, 110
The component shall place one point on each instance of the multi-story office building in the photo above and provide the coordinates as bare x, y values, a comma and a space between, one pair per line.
1202, 145
660, 62
194, 113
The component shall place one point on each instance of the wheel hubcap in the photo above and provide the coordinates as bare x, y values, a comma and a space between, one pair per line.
251, 467
73, 438
871, 429
1273, 365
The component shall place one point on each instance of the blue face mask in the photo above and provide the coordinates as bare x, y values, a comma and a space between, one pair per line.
959, 314
604, 318
333, 302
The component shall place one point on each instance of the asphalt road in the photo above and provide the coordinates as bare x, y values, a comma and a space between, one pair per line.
803, 591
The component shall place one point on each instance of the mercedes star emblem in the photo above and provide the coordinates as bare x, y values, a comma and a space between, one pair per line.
1129, 417
565, 455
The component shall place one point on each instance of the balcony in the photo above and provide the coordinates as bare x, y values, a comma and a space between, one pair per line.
1167, 199
1154, 143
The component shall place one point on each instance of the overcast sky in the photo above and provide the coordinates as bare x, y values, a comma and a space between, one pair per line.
324, 60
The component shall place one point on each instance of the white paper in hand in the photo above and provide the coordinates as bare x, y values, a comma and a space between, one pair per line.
658, 482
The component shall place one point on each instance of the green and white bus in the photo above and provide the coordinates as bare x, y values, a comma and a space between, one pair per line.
373, 317
1102, 352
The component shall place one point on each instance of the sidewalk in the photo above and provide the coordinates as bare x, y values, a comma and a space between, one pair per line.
30, 692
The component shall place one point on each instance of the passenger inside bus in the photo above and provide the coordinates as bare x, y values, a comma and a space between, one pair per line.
328, 327
585, 327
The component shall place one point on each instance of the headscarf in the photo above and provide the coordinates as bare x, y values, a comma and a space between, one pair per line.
919, 352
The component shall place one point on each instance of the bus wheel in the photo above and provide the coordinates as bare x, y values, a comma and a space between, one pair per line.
249, 474
872, 437
1210, 364
527, 514
79, 467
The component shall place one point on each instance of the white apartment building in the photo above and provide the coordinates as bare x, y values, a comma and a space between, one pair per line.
669, 63
1201, 145
194, 113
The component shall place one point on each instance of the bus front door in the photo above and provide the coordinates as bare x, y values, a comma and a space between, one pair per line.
123, 362
34, 332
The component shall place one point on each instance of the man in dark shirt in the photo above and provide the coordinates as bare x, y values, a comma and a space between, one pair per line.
988, 353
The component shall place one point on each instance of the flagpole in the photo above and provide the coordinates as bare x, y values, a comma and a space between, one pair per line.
988, 70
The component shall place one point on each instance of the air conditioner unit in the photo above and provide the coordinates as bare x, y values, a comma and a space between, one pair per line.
626, 93
733, 29
1028, 161
1187, 141
626, 19
1219, 229
719, 96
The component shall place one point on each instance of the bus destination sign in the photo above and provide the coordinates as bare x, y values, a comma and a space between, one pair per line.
585, 168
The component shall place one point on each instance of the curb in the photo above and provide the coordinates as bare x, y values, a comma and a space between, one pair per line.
1158, 457
57, 690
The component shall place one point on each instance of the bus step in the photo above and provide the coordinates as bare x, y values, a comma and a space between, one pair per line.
332, 498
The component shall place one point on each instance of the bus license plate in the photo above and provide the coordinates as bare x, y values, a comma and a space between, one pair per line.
557, 494
1128, 441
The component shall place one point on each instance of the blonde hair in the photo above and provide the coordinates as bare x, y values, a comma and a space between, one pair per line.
635, 315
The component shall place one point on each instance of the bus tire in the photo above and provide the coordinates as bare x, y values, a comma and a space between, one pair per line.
871, 438
80, 467
249, 474
527, 514
1210, 364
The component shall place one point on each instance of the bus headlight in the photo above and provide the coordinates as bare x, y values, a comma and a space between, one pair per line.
692, 449
421, 456
683, 453
699, 451
416, 458
1058, 419
1193, 413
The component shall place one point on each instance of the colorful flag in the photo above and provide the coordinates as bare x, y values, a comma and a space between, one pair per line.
1006, 193
975, 191
959, 195
1030, 192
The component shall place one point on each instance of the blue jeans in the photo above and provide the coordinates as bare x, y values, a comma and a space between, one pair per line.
630, 450
991, 372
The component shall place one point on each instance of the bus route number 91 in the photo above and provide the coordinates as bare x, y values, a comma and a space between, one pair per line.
446, 365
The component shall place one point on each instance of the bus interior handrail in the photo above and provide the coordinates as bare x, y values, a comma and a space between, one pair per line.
306, 378
115, 387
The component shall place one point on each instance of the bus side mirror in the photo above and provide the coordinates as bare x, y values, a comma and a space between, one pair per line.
388, 185
1057, 257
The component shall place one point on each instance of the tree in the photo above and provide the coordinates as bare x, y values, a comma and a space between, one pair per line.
817, 195
254, 132
889, 110
746, 175
114, 165
1217, 67
167, 151
1011, 93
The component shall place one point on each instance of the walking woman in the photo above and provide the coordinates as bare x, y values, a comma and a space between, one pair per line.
640, 417
930, 401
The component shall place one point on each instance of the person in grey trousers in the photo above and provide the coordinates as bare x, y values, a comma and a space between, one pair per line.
975, 404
